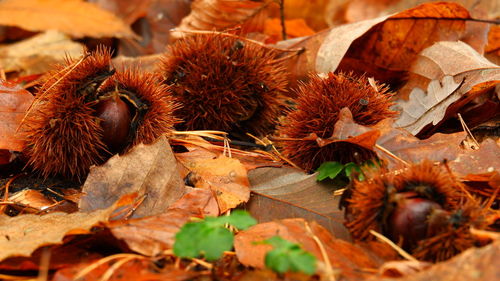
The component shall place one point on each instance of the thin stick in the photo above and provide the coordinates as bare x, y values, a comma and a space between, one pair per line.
282, 19
398, 249
391, 154
102, 261
6, 194
43, 273
2, 74
466, 129
330, 274
112, 269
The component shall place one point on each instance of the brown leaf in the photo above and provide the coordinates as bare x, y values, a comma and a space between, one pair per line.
224, 14
151, 235
149, 170
279, 193
349, 258
383, 47
14, 101
74, 17
226, 177
21, 235
39, 53
31, 198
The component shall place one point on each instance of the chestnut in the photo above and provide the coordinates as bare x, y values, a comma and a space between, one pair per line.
115, 120
409, 220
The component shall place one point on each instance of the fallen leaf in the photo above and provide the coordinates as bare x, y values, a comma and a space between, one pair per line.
315, 13
383, 47
449, 59
14, 101
152, 235
39, 53
279, 193
424, 108
294, 28
149, 170
73, 17
225, 177
348, 258
21, 235
221, 15
31, 198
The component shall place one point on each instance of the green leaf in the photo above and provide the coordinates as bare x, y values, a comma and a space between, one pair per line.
241, 219
350, 167
329, 170
209, 237
288, 256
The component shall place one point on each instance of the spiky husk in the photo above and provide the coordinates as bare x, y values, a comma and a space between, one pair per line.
159, 117
454, 237
370, 205
225, 83
318, 104
62, 135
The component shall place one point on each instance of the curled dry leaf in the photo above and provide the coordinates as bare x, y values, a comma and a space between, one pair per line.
225, 177
152, 235
14, 101
440, 62
39, 53
352, 260
383, 47
280, 193
149, 170
73, 17
224, 14
395, 269
424, 108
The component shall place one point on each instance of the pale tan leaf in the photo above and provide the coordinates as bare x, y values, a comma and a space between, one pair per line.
39, 53
149, 170
426, 108
73, 17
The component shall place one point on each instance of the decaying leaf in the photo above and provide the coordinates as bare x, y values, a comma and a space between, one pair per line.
149, 170
280, 193
14, 101
224, 14
74, 17
21, 235
343, 256
226, 177
39, 53
152, 235
429, 107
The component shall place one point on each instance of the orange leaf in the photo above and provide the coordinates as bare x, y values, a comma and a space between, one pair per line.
74, 17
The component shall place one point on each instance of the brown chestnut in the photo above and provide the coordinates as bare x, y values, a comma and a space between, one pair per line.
409, 220
115, 120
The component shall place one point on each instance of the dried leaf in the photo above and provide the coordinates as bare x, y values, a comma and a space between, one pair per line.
383, 47
396, 269
280, 193
14, 101
149, 170
344, 256
429, 107
32, 199
21, 235
74, 17
475, 263
152, 235
39, 53
224, 14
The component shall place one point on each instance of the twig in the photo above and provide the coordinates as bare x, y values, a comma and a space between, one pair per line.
102, 261
398, 249
282, 19
383, 149
466, 129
